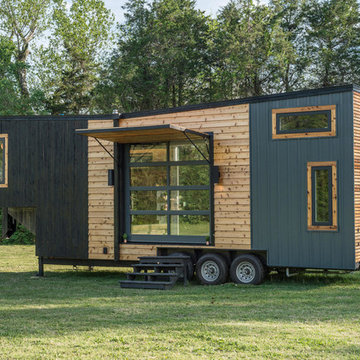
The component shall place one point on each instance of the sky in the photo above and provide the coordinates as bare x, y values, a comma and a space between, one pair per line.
211, 7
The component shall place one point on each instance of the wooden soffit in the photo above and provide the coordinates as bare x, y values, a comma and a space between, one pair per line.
143, 134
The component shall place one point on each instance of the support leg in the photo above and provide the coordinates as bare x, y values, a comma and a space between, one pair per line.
41, 267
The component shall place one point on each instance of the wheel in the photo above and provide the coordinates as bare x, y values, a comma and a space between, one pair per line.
247, 269
189, 264
211, 269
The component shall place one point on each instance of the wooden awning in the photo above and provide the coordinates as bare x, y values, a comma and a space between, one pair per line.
144, 134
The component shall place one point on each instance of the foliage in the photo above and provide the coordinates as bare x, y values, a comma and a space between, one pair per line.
21, 237
334, 40
77, 43
162, 48
22, 21
168, 53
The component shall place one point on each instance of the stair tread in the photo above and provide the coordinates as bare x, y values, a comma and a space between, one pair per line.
146, 282
185, 257
153, 274
146, 286
157, 265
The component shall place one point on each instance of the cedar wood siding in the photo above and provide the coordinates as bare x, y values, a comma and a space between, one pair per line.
101, 195
279, 186
357, 173
230, 125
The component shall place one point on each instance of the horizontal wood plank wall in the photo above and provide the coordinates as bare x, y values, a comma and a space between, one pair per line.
357, 173
101, 195
230, 126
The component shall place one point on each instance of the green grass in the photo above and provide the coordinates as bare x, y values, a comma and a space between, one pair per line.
86, 315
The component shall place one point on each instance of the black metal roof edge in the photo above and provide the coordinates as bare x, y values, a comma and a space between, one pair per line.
248, 100
61, 117
356, 87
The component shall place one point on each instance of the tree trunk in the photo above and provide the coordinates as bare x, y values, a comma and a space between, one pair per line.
22, 71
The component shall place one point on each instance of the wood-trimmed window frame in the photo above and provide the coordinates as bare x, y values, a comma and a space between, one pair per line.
5, 160
297, 135
334, 222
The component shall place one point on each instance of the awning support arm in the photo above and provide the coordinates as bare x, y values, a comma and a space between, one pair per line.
196, 147
105, 149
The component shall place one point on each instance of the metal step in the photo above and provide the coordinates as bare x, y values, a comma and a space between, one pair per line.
152, 266
158, 285
164, 259
160, 277
154, 274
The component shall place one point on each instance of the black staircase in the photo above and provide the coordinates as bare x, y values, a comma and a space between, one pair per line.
157, 272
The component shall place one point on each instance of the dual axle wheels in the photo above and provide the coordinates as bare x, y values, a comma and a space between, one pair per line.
213, 269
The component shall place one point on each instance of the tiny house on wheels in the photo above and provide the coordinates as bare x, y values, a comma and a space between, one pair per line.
240, 186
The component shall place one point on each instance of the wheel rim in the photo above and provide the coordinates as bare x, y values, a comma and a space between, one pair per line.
245, 272
210, 271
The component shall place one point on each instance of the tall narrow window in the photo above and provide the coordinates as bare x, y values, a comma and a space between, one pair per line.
3, 160
311, 121
169, 193
322, 196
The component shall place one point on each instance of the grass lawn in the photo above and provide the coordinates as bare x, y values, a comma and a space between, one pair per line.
86, 315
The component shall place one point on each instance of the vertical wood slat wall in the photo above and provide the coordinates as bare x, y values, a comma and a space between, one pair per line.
101, 195
230, 126
357, 173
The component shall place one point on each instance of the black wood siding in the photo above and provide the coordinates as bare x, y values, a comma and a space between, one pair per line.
279, 188
48, 170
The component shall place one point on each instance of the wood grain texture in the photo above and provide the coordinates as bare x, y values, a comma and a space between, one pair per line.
332, 132
334, 225
357, 173
6, 137
101, 196
230, 126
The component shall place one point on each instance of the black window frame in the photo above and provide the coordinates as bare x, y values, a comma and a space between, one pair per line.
169, 239
313, 197
300, 131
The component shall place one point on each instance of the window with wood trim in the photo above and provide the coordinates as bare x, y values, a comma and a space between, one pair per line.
3, 160
168, 193
310, 121
322, 195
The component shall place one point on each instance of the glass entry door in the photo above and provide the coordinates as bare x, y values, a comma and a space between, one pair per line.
168, 193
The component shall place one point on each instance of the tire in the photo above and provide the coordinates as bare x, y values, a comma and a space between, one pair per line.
211, 269
189, 264
247, 269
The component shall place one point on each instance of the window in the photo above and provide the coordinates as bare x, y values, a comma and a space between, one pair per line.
312, 121
3, 160
322, 196
168, 193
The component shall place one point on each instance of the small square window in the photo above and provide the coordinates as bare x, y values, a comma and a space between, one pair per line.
313, 121
322, 196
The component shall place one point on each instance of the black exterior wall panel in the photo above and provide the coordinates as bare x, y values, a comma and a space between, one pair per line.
48, 170
279, 188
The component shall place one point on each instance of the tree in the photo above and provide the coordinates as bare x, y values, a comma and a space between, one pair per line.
73, 58
253, 49
160, 55
290, 50
22, 20
11, 101
333, 36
